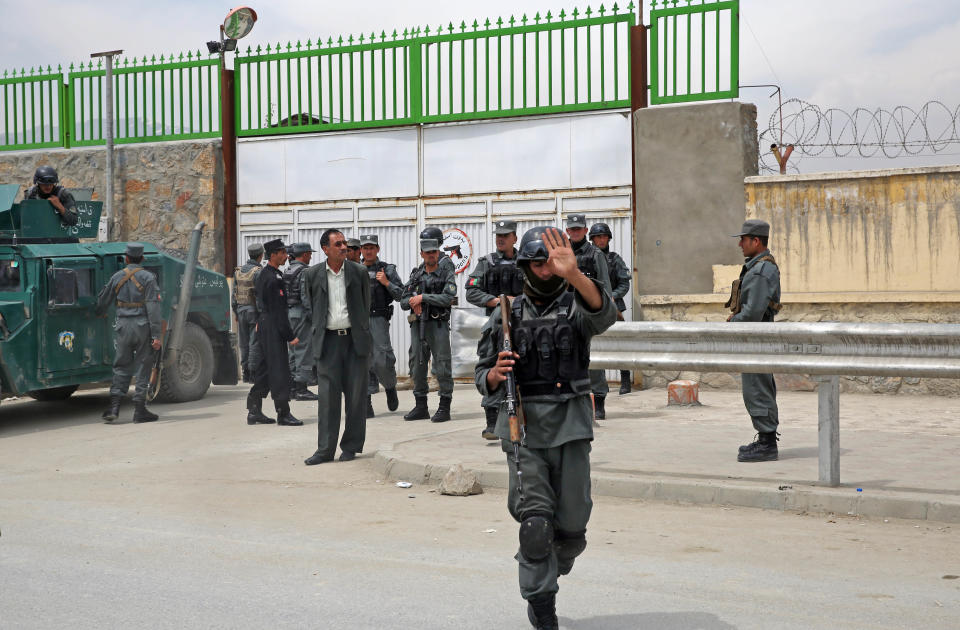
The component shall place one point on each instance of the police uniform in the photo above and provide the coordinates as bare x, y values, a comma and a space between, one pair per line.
552, 340
271, 373
756, 298
383, 362
47, 175
495, 274
136, 294
301, 360
439, 289
245, 306
619, 287
593, 263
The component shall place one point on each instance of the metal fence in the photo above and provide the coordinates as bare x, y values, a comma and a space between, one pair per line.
539, 65
31, 109
694, 51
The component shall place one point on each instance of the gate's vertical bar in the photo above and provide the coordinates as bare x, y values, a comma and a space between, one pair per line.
353, 99
383, 82
734, 51
414, 81
425, 111
576, 65
33, 113
363, 107
689, 63
828, 393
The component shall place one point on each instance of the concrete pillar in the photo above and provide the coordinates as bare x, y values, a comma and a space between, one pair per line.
690, 163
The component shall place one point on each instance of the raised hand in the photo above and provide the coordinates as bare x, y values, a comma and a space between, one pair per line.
561, 261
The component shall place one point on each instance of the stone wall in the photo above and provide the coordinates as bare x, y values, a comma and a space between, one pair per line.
860, 308
161, 189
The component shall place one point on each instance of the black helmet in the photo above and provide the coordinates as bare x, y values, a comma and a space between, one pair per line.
532, 246
600, 229
45, 175
432, 232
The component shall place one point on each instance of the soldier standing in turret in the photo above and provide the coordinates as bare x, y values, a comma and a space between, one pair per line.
429, 294
46, 185
301, 355
593, 263
600, 236
551, 325
136, 294
386, 287
756, 298
244, 304
495, 274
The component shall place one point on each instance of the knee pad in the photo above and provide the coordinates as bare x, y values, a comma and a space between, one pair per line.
569, 545
536, 537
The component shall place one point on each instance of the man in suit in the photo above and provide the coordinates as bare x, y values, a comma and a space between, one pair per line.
338, 291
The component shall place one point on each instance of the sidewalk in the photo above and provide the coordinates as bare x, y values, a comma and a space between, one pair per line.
902, 452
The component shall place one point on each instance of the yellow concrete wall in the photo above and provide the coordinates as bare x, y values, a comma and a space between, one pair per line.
895, 230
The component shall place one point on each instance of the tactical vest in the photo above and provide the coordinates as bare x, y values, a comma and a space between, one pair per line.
734, 303
291, 283
503, 276
433, 285
246, 293
381, 302
553, 355
586, 261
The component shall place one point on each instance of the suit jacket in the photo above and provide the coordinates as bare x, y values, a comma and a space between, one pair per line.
357, 284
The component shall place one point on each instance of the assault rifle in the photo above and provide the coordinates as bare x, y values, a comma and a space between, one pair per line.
154, 386
518, 435
424, 316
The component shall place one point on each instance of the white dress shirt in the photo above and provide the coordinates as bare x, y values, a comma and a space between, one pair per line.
337, 314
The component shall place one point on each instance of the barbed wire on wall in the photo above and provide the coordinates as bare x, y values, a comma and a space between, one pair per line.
891, 133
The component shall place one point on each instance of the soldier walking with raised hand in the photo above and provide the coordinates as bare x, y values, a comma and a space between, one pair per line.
301, 355
756, 298
271, 373
551, 328
593, 263
136, 294
600, 236
244, 303
386, 287
429, 294
495, 274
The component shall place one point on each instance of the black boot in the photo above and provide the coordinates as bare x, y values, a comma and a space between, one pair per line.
286, 419
113, 410
392, 400
599, 413
489, 432
420, 411
370, 413
763, 450
255, 414
443, 411
625, 382
542, 612
300, 392
142, 414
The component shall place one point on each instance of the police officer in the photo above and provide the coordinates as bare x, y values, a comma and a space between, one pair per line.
271, 374
301, 355
445, 261
46, 185
495, 274
756, 298
245, 305
600, 236
136, 294
593, 263
429, 293
386, 287
353, 249
551, 328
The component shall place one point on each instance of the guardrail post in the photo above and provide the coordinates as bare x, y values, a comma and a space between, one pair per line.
828, 393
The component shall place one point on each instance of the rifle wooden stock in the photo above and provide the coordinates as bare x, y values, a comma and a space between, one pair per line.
155, 372
513, 404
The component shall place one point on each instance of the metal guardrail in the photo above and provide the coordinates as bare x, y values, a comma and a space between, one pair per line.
824, 350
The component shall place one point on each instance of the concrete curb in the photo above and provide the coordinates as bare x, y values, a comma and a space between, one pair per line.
769, 496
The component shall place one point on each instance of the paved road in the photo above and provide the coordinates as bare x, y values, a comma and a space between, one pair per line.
199, 521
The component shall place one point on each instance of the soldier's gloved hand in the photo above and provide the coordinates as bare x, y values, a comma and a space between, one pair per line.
498, 373
155, 344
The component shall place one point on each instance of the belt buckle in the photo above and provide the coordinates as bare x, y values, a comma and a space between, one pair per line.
342, 332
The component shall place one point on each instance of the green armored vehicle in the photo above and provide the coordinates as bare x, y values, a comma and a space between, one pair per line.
51, 342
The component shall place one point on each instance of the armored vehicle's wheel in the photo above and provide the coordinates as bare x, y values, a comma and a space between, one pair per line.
54, 393
190, 378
